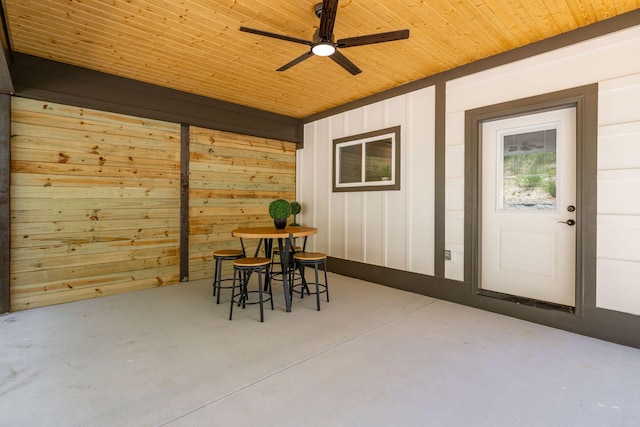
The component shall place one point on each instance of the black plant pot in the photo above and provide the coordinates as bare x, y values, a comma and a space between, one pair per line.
280, 223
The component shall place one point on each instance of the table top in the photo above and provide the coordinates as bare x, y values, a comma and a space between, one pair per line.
273, 233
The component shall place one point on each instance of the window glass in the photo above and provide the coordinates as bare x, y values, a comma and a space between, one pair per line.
529, 171
350, 164
369, 161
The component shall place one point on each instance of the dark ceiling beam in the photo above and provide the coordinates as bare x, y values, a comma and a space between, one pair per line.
46, 80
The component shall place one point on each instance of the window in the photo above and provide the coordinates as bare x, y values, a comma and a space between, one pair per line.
367, 162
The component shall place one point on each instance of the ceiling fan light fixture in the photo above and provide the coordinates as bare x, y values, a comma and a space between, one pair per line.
323, 49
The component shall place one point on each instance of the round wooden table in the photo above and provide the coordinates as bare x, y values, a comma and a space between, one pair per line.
268, 234
273, 233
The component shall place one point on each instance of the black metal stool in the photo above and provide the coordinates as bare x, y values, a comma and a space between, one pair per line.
242, 270
311, 259
219, 256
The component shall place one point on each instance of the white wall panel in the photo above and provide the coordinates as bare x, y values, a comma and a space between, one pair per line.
374, 211
337, 204
454, 194
584, 63
454, 270
354, 237
395, 202
392, 228
418, 180
374, 216
618, 192
619, 238
619, 145
454, 161
619, 99
396, 231
618, 287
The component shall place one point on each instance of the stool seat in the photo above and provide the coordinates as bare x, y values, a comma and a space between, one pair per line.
309, 256
228, 253
251, 262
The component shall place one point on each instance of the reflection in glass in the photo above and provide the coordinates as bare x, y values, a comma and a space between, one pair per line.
378, 160
529, 171
350, 163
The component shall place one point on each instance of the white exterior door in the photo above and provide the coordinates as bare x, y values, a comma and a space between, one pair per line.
528, 199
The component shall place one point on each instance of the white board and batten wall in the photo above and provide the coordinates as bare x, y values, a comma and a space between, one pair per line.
395, 229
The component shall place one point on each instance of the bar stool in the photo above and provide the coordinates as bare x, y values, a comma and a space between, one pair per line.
311, 259
219, 257
242, 270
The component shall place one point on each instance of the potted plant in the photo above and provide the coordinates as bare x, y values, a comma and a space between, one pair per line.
296, 208
280, 210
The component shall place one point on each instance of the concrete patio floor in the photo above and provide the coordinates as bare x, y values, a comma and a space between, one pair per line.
373, 356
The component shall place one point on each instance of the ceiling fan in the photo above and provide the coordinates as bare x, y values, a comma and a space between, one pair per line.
323, 43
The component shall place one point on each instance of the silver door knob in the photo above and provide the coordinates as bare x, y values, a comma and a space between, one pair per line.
571, 222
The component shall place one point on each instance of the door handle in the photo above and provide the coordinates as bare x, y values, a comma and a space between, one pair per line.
570, 222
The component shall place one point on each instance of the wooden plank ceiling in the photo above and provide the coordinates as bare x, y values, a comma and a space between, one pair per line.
195, 45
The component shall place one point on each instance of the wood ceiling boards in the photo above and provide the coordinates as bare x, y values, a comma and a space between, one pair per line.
195, 45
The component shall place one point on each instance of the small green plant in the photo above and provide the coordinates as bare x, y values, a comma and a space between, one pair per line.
296, 208
279, 208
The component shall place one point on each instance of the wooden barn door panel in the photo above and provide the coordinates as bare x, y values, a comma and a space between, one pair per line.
95, 203
232, 180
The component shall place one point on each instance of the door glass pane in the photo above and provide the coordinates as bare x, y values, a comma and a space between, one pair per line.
529, 171
350, 163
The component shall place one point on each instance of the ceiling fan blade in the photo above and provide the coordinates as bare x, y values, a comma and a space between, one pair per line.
298, 60
275, 36
327, 19
342, 60
373, 38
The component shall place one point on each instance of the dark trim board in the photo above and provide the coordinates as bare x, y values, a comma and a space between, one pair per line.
184, 202
5, 203
51, 81
593, 322
440, 178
